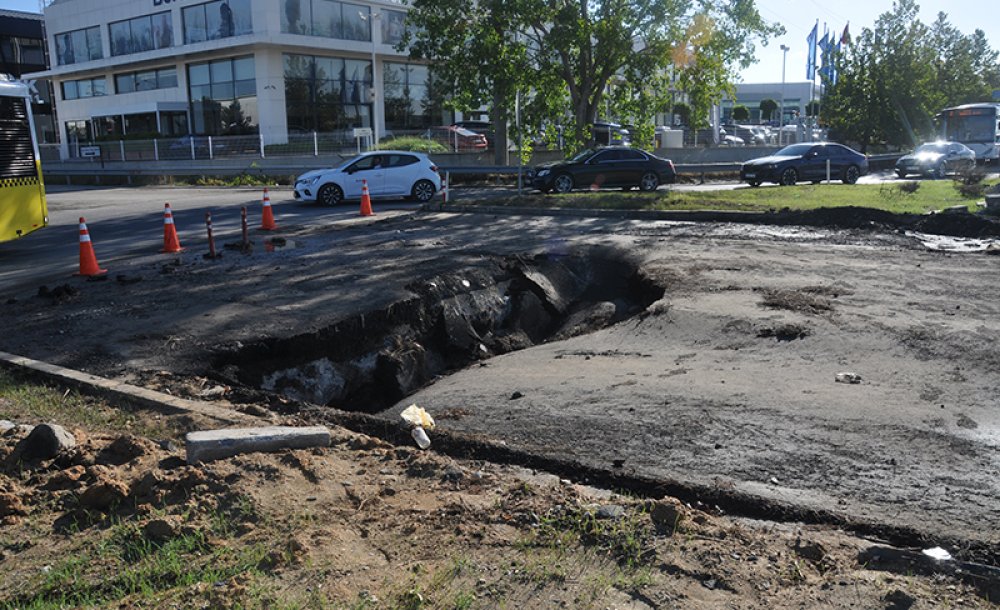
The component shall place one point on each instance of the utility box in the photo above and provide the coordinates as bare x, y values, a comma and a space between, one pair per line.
670, 138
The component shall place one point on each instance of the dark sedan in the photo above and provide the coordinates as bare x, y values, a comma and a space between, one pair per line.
806, 162
936, 159
614, 166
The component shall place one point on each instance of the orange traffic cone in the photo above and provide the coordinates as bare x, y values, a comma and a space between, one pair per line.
267, 220
171, 243
88, 261
366, 201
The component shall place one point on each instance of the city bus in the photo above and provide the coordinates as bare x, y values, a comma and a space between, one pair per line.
975, 125
22, 193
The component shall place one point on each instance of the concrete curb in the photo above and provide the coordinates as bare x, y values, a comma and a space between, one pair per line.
675, 215
99, 387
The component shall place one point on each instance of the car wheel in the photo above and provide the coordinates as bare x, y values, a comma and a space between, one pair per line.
563, 183
330, 194
939, 172
422, 191
754, 183
851, 174
789, 177
649, 182
900, 174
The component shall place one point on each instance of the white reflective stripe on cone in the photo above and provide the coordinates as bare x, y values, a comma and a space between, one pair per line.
84, 237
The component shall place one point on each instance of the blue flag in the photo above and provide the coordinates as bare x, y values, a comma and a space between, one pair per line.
811, 46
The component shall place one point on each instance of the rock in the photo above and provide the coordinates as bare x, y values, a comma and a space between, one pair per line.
993, 249
106, 491
45, 442
124, 449
66, 479
160, 529
11, 505
610, 511
453, 474
6, 425
813, 551
899, 600
667, 515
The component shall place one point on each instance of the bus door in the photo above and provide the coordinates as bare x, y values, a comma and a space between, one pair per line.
22, 192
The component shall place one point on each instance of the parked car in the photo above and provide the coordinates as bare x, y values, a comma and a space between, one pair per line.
390, 174
752, 135
483, 127
806, 161
610, 134
936, 159
616, 166
458, 139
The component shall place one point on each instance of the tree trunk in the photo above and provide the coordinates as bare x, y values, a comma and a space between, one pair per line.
498, 116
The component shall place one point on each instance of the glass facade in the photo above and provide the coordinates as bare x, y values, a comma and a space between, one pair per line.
223, 97
327, 94
411, 99
393, 26
147, 80
326, 18
79, 46
88, 87
214, 20
141, 34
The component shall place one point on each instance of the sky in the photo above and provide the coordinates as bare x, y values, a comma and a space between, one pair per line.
799, 16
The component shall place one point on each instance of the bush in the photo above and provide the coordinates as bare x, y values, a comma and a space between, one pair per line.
909, 187
413, 143
969, 182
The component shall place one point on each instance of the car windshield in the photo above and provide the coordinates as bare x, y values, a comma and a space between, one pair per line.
795, 150
582, 155
936, 147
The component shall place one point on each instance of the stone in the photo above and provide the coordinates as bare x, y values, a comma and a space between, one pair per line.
160, 529
5, 425
45, 442
219, 444
610, 511
105, 494
993, 249
11, 505
813, 551
667, 514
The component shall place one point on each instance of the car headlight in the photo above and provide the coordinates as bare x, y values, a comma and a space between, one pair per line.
542, 173
307, 181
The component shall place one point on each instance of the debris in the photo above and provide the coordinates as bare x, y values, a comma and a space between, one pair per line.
45, 442
516, 395
993, 248
421, 437
937, 553
667, 514
417, 416
610, 511
217, 444
848, 378
6, 424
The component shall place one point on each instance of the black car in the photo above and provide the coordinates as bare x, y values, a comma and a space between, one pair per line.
936, 159
808, 161
614, 166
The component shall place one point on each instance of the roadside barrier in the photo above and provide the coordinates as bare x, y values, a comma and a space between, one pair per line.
267, 221
366, 201
212, 254
88, 260
245, 228
171, 243
444, 187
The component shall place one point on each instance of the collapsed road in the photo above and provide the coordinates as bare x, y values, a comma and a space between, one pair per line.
700, 353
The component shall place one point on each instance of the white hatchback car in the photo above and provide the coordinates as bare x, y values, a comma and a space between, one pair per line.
390, 174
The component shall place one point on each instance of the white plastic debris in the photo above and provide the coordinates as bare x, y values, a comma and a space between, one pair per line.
938, 554
848, 378
416, 416
421, 437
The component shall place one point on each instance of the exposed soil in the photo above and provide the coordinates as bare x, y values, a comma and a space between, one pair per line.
701, 360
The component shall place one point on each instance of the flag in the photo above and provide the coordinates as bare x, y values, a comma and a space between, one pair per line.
845, 38
811, 46
825, 43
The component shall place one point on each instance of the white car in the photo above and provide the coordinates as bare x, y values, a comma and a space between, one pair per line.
390, 174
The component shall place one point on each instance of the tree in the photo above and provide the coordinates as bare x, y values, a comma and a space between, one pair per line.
566, 53
741, 113
901, 72
767, 109
813, 108
684, 112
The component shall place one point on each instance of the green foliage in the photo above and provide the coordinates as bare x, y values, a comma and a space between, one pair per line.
610, 57
813, 108
413, 143
768, 108
741, 113
897, 75
683, 111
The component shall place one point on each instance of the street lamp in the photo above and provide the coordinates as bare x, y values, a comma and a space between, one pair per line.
781, 115
371, 17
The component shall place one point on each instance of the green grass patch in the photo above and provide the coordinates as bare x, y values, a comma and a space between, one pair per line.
891, 197
413, 143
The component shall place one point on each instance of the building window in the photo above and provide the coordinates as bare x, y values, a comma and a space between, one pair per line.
213, 20
108, 127
79, 46
88, 87
146, 80
327, 18
393, 26
173, 123
223, 97
78, 131
411, 99
327, 94
141, 34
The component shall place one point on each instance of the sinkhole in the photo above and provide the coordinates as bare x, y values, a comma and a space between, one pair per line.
370, 361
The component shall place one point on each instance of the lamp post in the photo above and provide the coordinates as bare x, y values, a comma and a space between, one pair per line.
781, 110
370, 18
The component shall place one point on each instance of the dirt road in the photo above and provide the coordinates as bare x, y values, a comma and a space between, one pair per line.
720, 369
